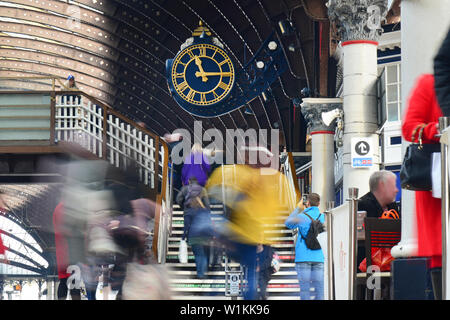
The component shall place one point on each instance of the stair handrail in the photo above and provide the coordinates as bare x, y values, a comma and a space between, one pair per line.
288, 169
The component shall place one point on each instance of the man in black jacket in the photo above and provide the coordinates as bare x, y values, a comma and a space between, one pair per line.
381, 197
442, 75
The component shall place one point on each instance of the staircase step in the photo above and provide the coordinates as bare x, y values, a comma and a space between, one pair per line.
217, 281
205, 289
222, 273
231, 265
265, 231
183, 276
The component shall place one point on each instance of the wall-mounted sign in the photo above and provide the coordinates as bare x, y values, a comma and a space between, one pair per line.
361, 152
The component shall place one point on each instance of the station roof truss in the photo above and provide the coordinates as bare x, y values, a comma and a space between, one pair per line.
117, 49
26, 228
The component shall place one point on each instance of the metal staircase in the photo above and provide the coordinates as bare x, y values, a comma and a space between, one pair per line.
186, 286
48, 122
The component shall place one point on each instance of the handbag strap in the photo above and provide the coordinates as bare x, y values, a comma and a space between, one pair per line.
421, 126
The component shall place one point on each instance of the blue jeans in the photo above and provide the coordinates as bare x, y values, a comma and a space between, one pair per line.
201, 259
310, 274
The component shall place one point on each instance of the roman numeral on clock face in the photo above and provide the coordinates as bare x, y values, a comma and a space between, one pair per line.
190, 95
191, 54
202, 51
223, 85
183, 86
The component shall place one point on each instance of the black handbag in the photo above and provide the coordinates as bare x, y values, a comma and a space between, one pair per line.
415, 173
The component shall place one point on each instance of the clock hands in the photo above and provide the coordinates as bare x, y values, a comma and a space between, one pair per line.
200, 73
204, 74
226, 74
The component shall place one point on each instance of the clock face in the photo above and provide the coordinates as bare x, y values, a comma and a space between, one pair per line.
203, 74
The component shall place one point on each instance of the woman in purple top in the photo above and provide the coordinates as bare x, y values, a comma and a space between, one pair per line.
196, 165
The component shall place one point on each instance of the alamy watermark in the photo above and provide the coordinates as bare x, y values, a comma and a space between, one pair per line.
238, 146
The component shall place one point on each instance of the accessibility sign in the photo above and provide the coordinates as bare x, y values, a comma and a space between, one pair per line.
361, 152
234, 282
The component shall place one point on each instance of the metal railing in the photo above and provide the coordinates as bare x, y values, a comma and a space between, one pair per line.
330, 265
292, 194
54, 82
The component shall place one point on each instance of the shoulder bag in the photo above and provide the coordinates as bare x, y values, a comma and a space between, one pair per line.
415, 173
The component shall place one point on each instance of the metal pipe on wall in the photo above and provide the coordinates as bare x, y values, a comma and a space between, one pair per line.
443, 124
329, 229
352, 250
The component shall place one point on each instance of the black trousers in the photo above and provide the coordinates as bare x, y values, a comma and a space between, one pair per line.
75, 294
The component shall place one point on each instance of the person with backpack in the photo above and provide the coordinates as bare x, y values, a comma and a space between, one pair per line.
198, 228
309, 259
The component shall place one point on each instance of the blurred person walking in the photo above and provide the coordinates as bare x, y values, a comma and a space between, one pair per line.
3, 258
308, 262
252, 201
198, 230
196, 164
62, 256
264, 256
424, 111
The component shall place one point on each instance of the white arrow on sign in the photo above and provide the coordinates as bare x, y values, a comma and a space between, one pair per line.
362, 148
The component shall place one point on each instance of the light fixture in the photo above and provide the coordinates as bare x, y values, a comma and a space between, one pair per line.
285, 27
260, 64
272, 45
264, 95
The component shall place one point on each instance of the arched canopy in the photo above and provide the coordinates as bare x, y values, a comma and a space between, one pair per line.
117, 49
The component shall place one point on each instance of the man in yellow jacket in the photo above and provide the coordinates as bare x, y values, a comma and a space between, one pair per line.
252, 193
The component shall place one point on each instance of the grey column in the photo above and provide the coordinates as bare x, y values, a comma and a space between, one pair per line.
50, 289
358, 23
322, 146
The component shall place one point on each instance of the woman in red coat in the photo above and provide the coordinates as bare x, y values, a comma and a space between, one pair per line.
423, 108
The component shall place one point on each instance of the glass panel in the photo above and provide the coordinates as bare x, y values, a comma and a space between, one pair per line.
392, 74
392, 109
392, 94
396, 140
